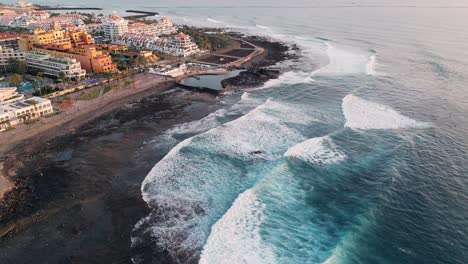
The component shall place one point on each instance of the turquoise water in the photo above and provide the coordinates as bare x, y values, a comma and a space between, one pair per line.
209, 81
26, 88
357, 154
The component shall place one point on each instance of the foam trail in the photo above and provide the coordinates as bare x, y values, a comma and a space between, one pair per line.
361, 114
370, 67
235, 238
262, 27
214, 21
318, 151
288, 78
342, 62
245, 96
210, 121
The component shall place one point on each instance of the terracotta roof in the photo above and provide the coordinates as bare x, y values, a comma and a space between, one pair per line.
9, 36
181, 36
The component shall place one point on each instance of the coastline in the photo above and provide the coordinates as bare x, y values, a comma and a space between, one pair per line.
83, 111
80, 178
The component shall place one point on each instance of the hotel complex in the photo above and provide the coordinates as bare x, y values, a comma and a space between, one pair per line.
9, 95
16, 111
114, 26
54, 67
180, 45
76, 45
9, 50
62, 46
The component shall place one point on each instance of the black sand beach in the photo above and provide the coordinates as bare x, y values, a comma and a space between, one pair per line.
84, 196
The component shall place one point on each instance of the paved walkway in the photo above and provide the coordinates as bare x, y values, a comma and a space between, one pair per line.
83, 110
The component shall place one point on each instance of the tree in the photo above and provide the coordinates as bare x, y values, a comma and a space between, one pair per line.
62, 76
17, 66
37, 85
16, 80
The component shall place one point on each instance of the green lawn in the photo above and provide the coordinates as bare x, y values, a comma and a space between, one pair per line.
90, 96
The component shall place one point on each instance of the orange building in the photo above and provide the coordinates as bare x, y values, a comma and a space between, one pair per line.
93, 60
77, 45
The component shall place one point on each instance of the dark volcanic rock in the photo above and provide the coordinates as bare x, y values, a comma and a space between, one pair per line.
251, 78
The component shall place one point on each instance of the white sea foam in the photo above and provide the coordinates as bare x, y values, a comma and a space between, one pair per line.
210, 121
362, 114
318, 151
266, 129
164, 167
288, 78
342, 61
370, 67
214, 21
235, 238
186, 188
262, 27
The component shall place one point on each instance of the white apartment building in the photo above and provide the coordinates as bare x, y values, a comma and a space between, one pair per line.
114, 26
180, 45
6, 54
164, 26
184, 45
53, 66
19, 112
9, 95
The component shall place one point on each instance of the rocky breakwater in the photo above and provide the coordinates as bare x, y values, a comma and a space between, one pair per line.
251, 78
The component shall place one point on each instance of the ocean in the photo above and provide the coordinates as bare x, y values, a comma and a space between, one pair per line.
358, 153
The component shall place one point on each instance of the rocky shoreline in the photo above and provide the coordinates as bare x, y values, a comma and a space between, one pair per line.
260, 70
76, 196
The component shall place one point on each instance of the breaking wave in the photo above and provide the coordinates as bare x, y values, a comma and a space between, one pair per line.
342, 61
235, 238
198, 180
317, 151
262, 27
214, 21
362, 114
370, 67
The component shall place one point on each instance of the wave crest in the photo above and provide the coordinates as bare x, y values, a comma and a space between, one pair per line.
318, 151
361, 114
235, 238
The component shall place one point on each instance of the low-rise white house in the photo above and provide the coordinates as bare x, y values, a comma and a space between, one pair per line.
53, 66
20, 112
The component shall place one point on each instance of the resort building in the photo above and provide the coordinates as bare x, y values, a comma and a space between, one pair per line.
78, 45
55, 39
55, 67
180, 45
163, 26
114, 26
9, 40
9, 95
40, 15
184, 45
94, 60
90, 58
22, 111
5, 121
6, 54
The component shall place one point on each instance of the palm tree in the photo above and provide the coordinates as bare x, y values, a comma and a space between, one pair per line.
37, 85
16, 80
